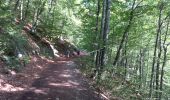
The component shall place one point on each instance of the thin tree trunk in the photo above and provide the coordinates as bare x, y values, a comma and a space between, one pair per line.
102, 31
157, 66
162, 72
164, 62
155, 50
36, 16
26, 11
140, 68
105, 31
125, 33
125, 57
21, 10
16, 5
50, 6
97, 31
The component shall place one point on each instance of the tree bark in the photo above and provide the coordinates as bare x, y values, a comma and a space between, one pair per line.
155, 50
164, 62
37, 14
26, 11
97, 31
141, 68
21, 10
105, 30
16, 5
125, 33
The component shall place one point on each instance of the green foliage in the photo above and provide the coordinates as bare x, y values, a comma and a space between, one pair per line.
116, 84
139, 43
14, 63
52, 19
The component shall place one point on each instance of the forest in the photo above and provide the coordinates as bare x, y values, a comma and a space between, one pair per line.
121, 46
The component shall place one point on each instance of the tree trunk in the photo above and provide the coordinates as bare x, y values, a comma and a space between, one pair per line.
102, 32
37, 14
97, 31
125, 33
26, 11
50, 6
16, 5
125, 58
157, 66
105, 30
140, 68
21, 10
164, 62
155, 50
162, 72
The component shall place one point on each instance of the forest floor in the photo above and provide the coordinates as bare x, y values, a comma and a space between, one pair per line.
44, 79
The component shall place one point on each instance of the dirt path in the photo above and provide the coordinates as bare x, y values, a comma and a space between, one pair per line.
59, 80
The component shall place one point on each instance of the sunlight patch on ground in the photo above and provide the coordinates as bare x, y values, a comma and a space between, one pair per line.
39, 66
61, 62
74, 83
81, 89
70, 63
8, 87
38, 91
70, 83
104, 96
66, 71
34, 59
66, 84
61, 84
36, 76
64, 75
56, 71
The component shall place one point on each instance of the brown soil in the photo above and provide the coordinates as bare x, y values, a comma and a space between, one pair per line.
44, 79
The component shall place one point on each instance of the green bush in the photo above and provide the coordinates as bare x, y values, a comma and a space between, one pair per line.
15, 63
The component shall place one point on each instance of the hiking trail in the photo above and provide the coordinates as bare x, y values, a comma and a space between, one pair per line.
45, 79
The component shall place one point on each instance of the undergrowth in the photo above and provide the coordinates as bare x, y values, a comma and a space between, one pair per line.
15, 63
114, 85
